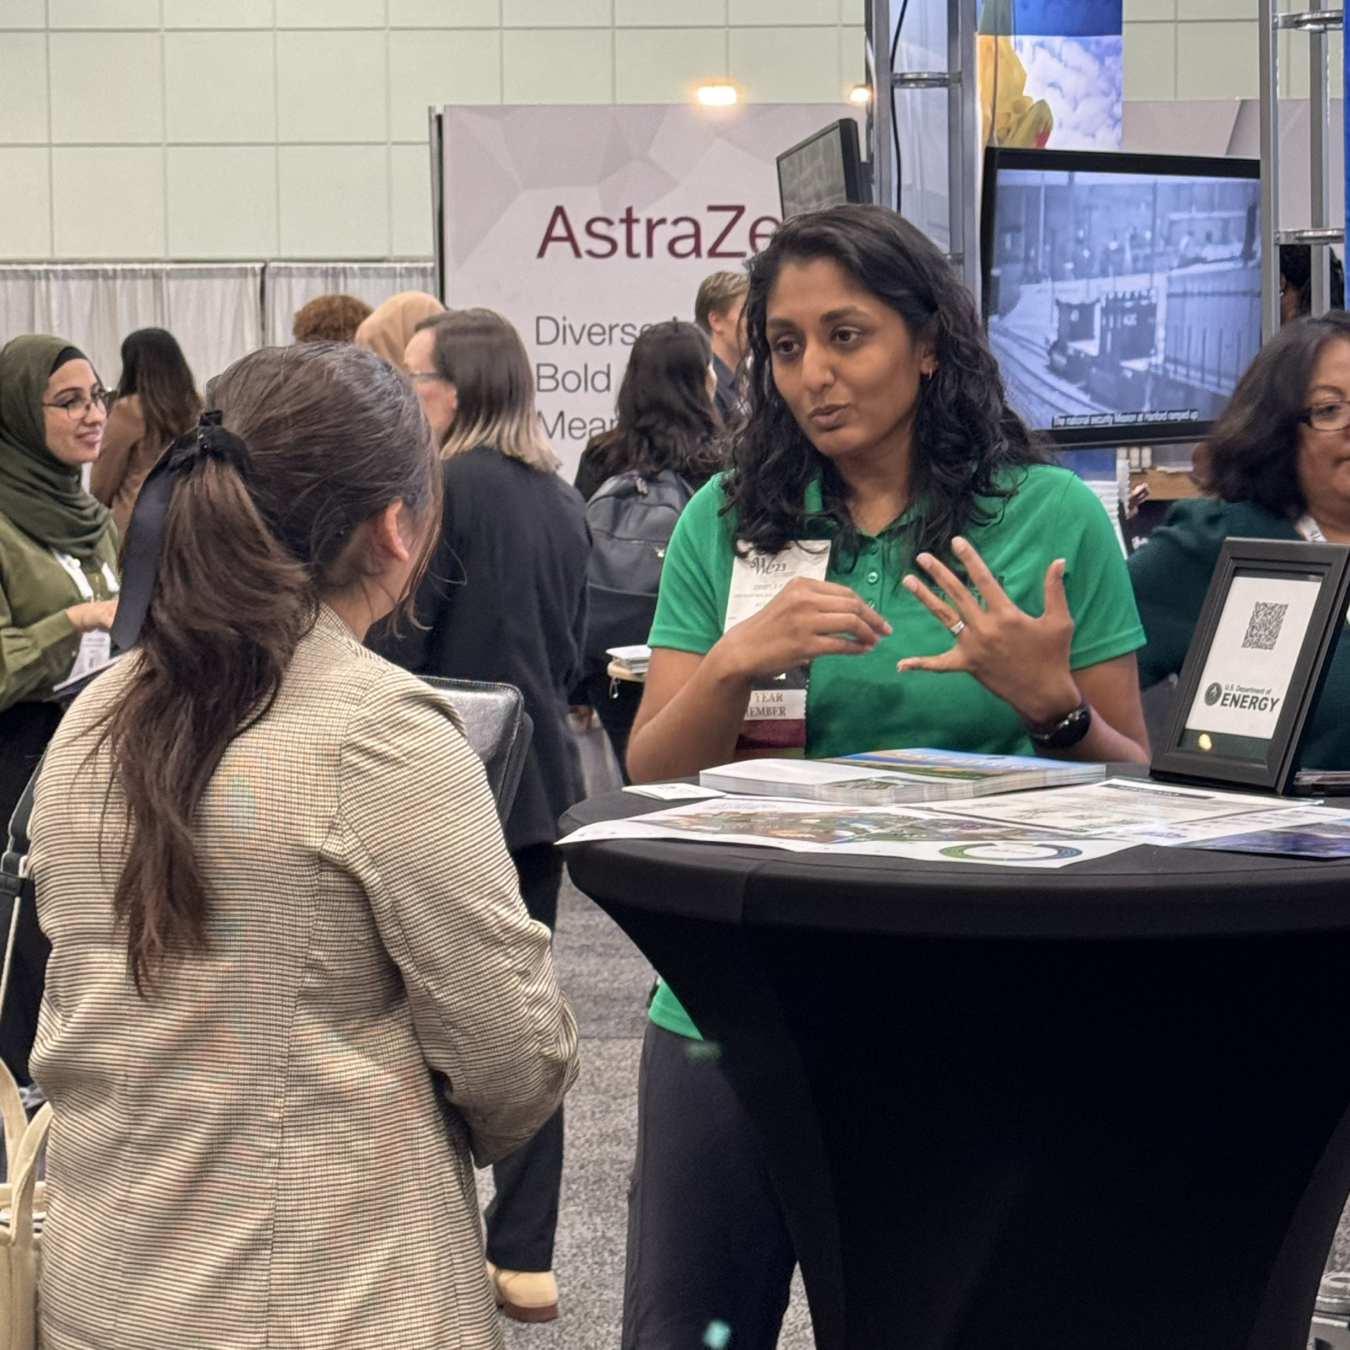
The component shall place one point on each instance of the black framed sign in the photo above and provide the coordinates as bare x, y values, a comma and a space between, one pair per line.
1256, 664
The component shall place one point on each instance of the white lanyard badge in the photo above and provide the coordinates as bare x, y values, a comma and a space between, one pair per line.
95, 646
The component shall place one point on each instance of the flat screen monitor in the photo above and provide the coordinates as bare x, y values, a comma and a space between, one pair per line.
823, 170
1122, 293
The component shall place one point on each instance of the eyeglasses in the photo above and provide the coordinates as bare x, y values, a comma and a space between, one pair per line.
1327, 416
418, 376
77, 406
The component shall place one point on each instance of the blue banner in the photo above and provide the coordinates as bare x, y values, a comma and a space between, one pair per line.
1051, 18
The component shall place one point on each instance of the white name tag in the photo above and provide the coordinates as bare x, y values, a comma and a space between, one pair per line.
788, 704
95, 651
757, 577
775, 719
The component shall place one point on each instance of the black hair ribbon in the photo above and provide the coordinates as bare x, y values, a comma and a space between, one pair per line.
145, 532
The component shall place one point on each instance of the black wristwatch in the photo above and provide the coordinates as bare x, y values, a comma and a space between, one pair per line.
1061, 734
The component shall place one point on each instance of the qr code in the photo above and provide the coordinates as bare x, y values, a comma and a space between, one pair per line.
1263, 628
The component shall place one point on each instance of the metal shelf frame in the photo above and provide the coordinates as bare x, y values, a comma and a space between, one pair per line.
1317, 22
960, 79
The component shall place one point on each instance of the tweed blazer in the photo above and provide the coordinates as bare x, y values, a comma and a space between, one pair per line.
273, 1149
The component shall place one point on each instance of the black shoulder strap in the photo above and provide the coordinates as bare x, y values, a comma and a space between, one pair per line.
15, 886
14, 861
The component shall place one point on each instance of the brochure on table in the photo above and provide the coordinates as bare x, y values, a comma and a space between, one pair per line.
1052, 827
879, 831
895, 777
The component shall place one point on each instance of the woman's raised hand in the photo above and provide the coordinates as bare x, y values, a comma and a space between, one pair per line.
804, 620
1024, 661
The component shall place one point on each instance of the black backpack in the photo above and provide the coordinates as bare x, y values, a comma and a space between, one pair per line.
631, 518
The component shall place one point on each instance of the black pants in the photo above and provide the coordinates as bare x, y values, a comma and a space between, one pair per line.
707, 1243
25, 730
523, 1216
616, 704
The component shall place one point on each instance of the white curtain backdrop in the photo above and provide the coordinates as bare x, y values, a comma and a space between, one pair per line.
217, 311
214, 310
290, 285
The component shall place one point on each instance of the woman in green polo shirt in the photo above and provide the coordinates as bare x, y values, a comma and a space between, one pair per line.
878, 422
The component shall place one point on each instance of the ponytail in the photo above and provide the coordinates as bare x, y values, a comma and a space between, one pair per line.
333, 436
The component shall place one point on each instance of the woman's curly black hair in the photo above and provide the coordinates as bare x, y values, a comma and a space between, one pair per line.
965, 433
1253, 448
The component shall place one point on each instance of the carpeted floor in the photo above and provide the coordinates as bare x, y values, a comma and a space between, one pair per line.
608, 982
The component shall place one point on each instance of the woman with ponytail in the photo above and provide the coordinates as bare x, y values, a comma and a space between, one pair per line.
293, 990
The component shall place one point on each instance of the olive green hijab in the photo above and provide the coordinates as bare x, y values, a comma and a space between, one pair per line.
42, 496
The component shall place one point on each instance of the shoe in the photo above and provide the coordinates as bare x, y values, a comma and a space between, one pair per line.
525, 1295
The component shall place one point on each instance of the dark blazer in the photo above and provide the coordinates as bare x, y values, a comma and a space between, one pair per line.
1171, 574
728, 396
504, 599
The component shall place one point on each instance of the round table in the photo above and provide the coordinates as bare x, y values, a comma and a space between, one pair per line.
1100, 1108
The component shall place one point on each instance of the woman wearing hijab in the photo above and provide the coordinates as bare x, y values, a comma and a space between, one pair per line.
58, 548
58, 545
388, 330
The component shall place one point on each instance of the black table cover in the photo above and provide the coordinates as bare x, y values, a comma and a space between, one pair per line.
1100, 1108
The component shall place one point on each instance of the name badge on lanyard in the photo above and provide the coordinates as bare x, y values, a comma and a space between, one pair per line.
96, 646
1313, 534
776, 717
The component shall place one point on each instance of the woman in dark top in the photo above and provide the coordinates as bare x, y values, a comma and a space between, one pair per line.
504, 599
665, 419
664, 415
1279, 467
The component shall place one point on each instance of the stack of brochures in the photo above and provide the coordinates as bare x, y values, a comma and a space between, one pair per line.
1332, 782
883, 777
629, 660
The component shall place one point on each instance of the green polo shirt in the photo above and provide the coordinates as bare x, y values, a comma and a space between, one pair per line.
862, 702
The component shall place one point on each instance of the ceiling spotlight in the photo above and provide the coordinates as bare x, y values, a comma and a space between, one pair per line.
717, 95
860, 94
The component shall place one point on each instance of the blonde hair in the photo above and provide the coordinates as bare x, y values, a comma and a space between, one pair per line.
481, 354
387, 330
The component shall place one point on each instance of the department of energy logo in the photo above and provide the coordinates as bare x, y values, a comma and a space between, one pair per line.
1213, 694
1010, 852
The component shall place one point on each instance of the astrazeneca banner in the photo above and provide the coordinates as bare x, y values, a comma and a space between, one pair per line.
581, 224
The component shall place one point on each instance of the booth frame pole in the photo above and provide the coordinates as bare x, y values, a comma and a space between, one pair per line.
1316, 22
1319, 171
1270, 179
963, 160
881, 111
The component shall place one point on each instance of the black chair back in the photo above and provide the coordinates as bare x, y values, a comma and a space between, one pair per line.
497, 728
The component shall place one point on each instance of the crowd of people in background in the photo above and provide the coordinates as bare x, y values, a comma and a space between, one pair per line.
282, 556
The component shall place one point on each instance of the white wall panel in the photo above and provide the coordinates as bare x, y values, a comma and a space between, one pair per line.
211, 81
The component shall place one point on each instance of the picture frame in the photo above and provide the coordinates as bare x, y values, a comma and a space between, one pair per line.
1256, 664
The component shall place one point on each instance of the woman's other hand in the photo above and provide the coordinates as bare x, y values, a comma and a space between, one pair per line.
804, 620
93, 615
1024, 661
